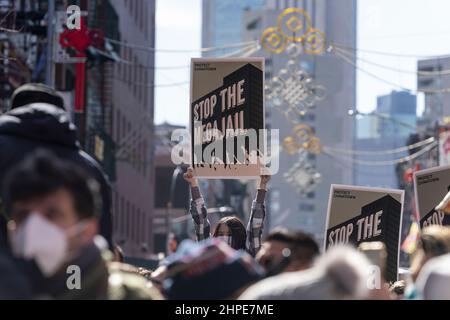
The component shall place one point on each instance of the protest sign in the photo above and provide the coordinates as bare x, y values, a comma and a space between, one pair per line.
227, 117
430, 187
360, 214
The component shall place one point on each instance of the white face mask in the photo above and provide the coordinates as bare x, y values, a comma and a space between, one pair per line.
226, 239
39, 239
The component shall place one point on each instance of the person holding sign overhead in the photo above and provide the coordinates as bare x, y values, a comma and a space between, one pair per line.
231, 229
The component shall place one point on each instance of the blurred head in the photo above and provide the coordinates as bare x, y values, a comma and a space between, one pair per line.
52, 207
340, 273
433, 282
208, 270
35, 93
348, 272
287, 250
173, 242
434, 241
232, 231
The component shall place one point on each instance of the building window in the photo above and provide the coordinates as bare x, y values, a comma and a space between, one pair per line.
146, 88
307, 207
122, 217
116, 212
124, 128
119, 65
133, 222
141, 18
128, 220
141, 81
145, 158
138, 225
145, 13
135, 76
129, 70
144, 224
124, 56
311, 195
117, 122
254, 24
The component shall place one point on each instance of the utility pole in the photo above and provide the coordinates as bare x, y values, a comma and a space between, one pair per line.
49, 74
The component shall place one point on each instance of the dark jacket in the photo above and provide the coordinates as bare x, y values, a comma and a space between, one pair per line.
40, 125
13, 283
99, 279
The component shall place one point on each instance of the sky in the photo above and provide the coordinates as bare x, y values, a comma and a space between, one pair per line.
412, 27
178, 26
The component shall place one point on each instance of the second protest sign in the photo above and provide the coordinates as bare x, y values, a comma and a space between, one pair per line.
360, 214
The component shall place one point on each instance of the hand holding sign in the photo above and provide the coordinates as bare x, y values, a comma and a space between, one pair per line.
190, 178
444, 205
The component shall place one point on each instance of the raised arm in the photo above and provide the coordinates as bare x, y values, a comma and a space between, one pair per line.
258, 214
197, 209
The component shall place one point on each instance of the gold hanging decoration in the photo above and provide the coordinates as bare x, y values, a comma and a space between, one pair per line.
314, 42
303, 139
273, 41
293, 25
313, 146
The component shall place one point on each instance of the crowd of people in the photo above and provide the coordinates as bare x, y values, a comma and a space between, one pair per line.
56, 234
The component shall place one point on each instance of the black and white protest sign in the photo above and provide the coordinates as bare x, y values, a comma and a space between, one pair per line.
227, 116
359, 214
430, 187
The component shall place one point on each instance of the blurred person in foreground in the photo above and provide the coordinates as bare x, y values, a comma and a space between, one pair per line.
230, 229
54, 209
433, 281
341, 273
287, 250
433, 242
38, 119
13, 283
209, 269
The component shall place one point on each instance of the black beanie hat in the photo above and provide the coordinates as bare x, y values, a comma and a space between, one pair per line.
35, 93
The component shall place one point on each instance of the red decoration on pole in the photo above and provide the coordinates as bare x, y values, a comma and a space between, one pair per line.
80, 40
408, 176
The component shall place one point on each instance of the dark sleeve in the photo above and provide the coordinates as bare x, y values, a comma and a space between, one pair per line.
106, 223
